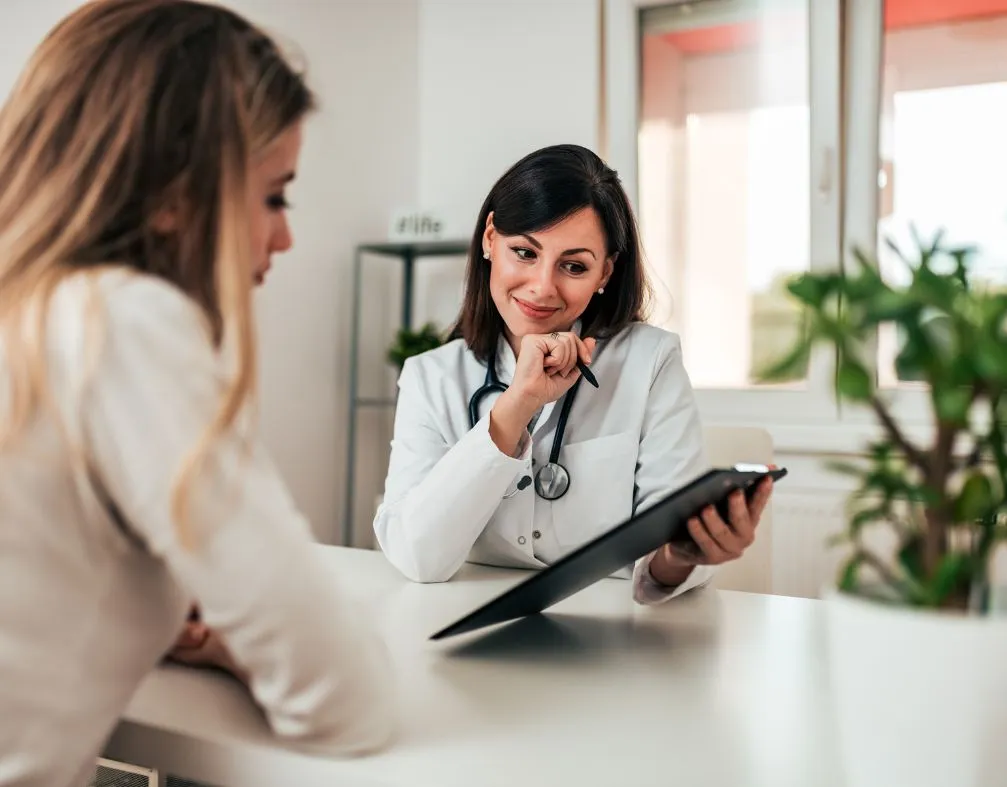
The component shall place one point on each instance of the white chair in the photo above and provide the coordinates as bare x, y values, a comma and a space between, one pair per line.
726, 446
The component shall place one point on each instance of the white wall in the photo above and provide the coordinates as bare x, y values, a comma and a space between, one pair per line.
498, 79
359, 161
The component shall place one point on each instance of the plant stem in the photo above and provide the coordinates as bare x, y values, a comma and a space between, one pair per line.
914, 454
938, 517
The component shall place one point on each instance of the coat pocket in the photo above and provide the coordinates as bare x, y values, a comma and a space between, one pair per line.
602, 483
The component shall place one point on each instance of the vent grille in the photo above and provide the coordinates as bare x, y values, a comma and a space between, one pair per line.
115, 774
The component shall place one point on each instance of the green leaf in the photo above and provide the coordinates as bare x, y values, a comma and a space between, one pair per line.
952, 575
911, 557
991, 360
864, 287
852, 381
849, 574
867, 516
792, 366
975, 500
952, 403
887, 305
813, 288
925, 348
409, 343
934, 289
961, 375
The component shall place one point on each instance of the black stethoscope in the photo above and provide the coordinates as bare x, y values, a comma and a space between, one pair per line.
552, 480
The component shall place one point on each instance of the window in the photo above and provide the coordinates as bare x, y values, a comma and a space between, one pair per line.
765, 137
943, 122
724, 180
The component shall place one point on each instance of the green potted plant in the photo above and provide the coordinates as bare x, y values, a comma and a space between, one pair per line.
918, 663
410, 342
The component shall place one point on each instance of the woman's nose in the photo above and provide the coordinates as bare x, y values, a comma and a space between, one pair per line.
545, 280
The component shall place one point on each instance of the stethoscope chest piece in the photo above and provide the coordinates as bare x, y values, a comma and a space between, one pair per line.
552, 481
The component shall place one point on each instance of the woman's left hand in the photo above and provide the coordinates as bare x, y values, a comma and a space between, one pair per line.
715, 541
200, 646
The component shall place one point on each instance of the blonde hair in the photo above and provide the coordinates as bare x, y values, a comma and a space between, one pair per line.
127, 109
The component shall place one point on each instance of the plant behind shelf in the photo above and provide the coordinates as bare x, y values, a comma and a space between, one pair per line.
944, 502
409, 343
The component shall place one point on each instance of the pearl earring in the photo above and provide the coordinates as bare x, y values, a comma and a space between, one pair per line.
486, 255
601, 290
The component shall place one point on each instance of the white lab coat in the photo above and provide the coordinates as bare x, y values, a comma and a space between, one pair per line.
627, 444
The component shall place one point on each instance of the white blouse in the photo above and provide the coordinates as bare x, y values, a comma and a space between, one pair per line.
90, 601
451, 495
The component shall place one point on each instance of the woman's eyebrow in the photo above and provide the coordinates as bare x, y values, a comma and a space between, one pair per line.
538, 246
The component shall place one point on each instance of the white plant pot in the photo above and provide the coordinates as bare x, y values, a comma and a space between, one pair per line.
920, 696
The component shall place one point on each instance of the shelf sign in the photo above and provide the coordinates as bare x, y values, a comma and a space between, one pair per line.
410, 225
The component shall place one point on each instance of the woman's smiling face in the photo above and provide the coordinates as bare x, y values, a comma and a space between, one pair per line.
543, 281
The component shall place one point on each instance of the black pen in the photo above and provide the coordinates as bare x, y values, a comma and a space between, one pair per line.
588, 374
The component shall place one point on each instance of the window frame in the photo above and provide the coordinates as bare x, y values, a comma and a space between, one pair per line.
844, 163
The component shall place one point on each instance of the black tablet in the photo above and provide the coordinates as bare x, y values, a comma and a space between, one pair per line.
621, 546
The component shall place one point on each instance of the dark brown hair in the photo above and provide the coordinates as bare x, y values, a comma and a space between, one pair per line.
536, 193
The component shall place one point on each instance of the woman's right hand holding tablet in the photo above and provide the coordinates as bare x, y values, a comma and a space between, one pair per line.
546, 369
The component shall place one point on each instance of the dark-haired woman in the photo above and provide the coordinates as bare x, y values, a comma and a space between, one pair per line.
503, 454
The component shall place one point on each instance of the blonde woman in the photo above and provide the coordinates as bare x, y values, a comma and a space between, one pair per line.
144, 156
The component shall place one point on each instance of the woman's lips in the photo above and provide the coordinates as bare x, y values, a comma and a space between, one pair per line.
535, 312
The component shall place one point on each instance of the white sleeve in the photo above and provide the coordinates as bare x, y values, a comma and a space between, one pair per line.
438, 497
315, 668
671, 455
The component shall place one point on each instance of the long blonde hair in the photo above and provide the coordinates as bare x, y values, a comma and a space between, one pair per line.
129, 108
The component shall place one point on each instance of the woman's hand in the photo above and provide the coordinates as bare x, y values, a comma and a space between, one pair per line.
546, 369
716, 541
200, 646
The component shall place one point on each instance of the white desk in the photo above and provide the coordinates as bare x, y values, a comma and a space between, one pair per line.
720, 689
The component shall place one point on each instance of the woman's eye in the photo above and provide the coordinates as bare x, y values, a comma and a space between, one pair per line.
277, 202
576, 268
524, 254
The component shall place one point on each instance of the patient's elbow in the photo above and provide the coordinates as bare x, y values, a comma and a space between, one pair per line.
353, 718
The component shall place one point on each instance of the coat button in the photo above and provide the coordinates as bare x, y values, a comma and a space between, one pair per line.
537, 534
521, 540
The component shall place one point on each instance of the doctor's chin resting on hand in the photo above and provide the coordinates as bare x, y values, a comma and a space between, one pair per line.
504, 451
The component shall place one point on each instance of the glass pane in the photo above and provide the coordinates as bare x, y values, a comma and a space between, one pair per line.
724, 178
943, 126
